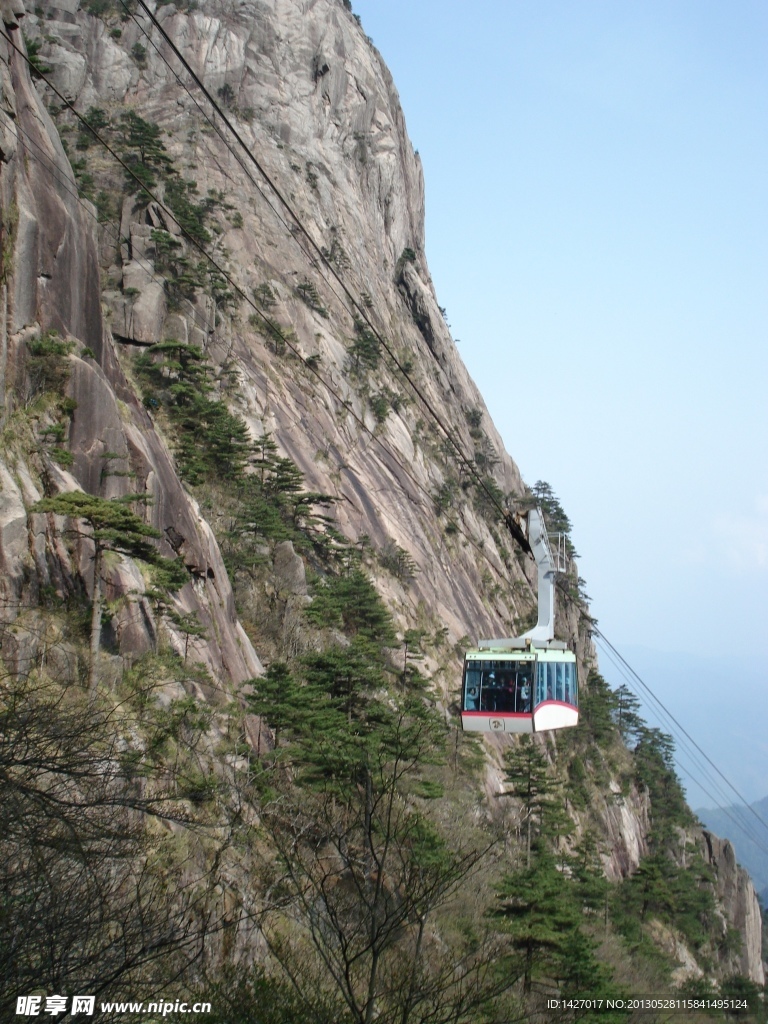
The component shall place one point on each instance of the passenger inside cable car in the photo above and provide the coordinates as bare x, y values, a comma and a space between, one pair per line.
498, 686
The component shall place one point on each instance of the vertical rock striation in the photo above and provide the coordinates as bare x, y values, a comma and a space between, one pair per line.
52, 276
741, 909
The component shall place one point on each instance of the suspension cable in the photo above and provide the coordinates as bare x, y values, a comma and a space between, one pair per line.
358, 311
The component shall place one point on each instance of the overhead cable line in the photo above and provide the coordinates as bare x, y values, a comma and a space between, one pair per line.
48, 165
190, 238
685, 740
360, 311
700, 773
703, 753
273, 327
130, 12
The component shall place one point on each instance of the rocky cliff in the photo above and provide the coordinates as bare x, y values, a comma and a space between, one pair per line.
313, 99
318, 317
740, 907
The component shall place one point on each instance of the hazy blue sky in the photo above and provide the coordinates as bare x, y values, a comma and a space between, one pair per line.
597, 229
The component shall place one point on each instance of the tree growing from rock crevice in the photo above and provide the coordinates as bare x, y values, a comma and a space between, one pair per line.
111, 525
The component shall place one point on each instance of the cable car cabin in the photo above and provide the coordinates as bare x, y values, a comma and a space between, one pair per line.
519, 690
527, 683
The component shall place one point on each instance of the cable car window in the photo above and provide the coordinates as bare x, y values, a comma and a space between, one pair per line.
568, 682
573, 696
498, 686
497, 692
488, 691
542, 682
472, 678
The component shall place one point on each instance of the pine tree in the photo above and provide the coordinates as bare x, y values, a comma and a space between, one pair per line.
351, 602
598, 709
542, 813
190, 628
587, 871
539, 911
256, 516
361, 876
349, 675
264, 455
212, 441
285, 477
412, 651
579, 974
191, 216
626, 715
175, 373
279, 700
112, 526
655, 771
143, 150
556, 519
365, 351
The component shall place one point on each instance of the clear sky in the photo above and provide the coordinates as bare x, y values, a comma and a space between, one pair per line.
597, 229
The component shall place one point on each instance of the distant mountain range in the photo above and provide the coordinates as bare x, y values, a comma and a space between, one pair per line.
748, 835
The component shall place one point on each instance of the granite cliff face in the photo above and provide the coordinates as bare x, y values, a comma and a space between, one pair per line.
312, 99
50, 244
740, 907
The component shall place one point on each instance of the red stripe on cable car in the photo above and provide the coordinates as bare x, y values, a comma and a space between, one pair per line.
502, 714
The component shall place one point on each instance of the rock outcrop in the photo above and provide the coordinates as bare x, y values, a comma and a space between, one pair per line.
53, 281
740, 906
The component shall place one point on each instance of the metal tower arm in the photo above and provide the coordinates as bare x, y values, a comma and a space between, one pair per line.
535, 540
545, 563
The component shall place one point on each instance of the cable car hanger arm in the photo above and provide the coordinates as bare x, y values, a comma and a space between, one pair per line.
536, 543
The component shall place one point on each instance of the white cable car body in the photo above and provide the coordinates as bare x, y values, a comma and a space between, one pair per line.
528, 683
